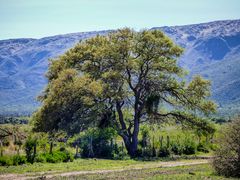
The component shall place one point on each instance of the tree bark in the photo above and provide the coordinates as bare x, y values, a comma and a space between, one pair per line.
130, 138
35, 150
51, 147
1, 148
134, 143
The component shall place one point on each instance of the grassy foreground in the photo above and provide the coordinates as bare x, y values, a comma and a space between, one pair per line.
76, 165
203, 171
113, 169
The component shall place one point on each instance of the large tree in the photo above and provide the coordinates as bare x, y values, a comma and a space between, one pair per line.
103, 77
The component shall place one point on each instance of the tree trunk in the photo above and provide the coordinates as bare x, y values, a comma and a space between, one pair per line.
1, 148
131, 141
134, 143
35, 150
91, 153
51, 147
131, 147
76, 150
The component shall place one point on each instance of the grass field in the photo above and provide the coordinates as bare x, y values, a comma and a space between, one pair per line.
203, 171
113, 169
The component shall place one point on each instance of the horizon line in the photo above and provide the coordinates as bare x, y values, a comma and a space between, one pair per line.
101, 30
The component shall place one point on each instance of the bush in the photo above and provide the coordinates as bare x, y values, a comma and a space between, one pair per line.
55, 157
177, 148
164, 151
189, 147
203, 147
6, 161
147, 152
41, 158
69, 156
30, 149
98, 143
227, 156
121, 155
18, 160
12, 160
145, 133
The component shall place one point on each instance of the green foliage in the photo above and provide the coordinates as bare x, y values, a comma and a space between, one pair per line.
190, 147
172, 141
227, 156
145, 133
120, 154
42, 141
99, 143
203, 147
103, 77
6, 161
12, 160
177, 147
68, 97
41, 158
19, 160
164, 151
55, 157
30, 149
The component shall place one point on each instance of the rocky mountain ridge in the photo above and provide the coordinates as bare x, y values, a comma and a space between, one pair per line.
211, 49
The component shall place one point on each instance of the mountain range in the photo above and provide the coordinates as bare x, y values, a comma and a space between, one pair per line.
211, 50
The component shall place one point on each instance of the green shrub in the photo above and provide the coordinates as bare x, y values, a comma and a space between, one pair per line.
41, 158
12, 160
189, 147
147, 152
203, 147
164, 152
98, 143
227, 156
177, 148
55, 157
69, 156
145, 139
6, 161
213, 146
121, 155
30, 149
18, 160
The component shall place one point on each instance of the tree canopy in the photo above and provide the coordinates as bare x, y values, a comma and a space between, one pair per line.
122, 80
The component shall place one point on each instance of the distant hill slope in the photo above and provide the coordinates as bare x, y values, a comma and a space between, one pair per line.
211, 49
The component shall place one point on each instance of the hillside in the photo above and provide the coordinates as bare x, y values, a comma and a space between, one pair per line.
211, 49
23, 63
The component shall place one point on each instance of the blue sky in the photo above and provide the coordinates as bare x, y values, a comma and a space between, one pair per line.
39, 18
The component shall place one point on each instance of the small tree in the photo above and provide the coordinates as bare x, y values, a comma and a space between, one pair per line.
4, 133
227, 156
15, 132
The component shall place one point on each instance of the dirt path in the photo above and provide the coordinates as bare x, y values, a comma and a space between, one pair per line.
47, 175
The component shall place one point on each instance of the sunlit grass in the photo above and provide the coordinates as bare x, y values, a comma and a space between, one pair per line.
83, 165
203, 171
